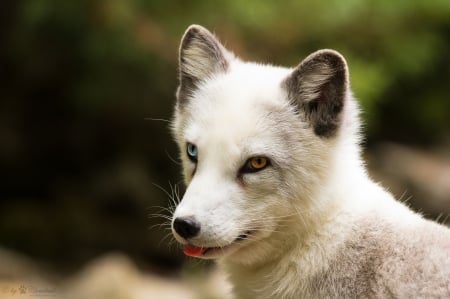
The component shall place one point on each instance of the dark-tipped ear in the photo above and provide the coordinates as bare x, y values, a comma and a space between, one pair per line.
201, 55
318, 86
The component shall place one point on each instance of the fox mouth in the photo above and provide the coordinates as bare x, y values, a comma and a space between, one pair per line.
214, 252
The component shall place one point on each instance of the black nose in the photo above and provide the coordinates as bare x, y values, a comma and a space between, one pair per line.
186, 227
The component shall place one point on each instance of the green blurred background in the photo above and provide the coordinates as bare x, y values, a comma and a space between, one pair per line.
82, 165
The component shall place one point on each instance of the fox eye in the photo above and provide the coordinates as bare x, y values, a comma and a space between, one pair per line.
255, 164
192, 152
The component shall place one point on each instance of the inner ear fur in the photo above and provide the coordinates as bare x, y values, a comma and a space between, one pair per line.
318, 86
201, 55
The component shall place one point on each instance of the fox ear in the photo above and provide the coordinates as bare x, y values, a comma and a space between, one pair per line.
201, 55
318, 86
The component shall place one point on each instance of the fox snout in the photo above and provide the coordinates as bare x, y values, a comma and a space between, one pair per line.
186, 227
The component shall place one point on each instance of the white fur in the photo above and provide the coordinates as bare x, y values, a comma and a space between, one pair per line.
302, 210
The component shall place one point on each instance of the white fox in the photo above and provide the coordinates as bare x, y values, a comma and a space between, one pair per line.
277, 191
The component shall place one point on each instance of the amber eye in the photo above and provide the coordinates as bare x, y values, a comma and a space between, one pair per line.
258, 162
254, 164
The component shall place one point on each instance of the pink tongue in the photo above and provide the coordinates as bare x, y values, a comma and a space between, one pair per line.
192, 250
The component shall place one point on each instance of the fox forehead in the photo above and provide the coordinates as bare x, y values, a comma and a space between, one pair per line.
235, 103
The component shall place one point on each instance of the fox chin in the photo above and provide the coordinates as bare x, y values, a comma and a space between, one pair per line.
277, 191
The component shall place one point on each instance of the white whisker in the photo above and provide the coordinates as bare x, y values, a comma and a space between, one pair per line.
157, 119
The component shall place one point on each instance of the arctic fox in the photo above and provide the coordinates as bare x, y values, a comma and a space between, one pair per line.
276, 188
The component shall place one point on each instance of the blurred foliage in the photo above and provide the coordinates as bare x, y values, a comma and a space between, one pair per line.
78, 157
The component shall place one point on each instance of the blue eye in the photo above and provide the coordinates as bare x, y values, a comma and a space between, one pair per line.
192, 152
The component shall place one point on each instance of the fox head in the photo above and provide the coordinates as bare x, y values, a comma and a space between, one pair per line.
256, 143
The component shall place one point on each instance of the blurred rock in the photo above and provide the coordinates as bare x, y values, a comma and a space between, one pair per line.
113, 276
116, 277
421, 178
